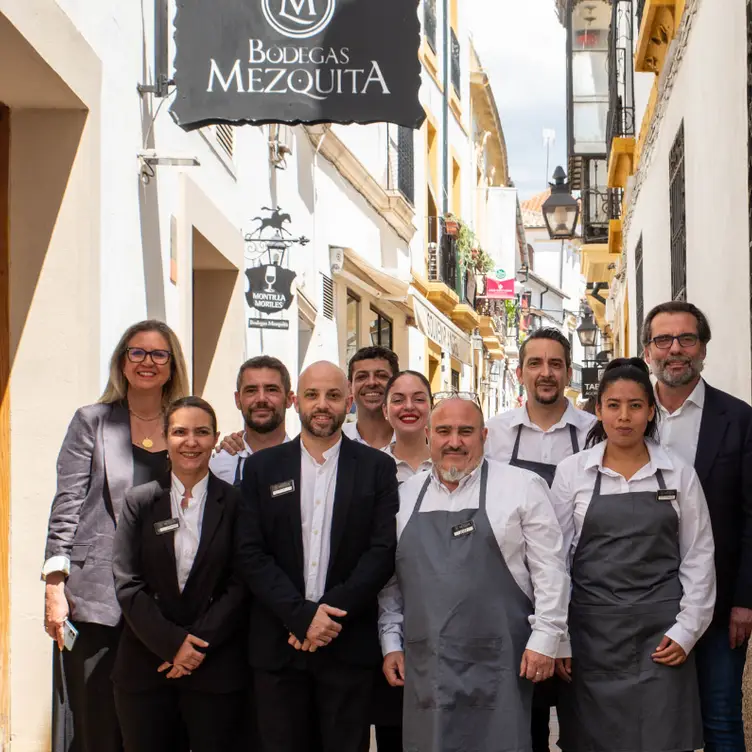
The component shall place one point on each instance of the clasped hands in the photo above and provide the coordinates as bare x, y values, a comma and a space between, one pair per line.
187, 659
322, 630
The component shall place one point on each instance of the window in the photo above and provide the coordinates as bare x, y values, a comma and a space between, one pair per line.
677, 192
640, 307
381, 329
353, 326
429, 23
455, 380
456, 73
406, 162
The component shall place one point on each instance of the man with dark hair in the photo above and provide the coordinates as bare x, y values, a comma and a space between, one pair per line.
711, 430
368, 374
536, 437
263, 396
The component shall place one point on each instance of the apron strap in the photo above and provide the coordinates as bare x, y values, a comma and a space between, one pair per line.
573, 437
516, 449
597, 487
422, 494
659, 478
483, 485
238, 473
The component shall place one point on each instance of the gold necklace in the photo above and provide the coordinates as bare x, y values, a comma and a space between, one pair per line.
146, 442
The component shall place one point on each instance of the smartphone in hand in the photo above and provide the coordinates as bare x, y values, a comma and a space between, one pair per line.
70, 634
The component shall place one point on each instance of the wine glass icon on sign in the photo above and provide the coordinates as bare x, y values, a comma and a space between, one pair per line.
270, 277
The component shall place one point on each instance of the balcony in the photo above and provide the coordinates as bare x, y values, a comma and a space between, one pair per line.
401, 162
657, 29
596, 201
615, 201
456, 66
493, 318
442, 266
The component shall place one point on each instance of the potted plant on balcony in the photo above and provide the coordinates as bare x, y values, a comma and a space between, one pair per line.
451, 225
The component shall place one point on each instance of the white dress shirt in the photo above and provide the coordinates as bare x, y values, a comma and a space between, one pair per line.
188, 535
351, 431
224, 465
317, 486
536, 445
525, 527
680, 430
572, 492
404, 470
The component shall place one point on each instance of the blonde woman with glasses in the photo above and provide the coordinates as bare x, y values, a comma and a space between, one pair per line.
110, 447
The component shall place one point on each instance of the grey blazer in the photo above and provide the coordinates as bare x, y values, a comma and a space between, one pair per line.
94, 471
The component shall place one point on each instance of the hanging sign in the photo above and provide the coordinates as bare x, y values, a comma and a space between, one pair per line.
498, 287
269, 288
590, 381
297, 61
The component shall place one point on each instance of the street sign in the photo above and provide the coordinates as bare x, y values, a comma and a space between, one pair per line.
297, 61
590, 381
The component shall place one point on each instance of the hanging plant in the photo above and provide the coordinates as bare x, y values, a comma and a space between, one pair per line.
451, 225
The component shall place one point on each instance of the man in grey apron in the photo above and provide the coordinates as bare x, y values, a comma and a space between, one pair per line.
479, 545
537, 437
626, 594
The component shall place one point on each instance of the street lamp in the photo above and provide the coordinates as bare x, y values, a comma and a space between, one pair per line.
587, 331
560, 210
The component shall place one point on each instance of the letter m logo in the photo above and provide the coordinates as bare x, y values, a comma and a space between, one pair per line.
298, 7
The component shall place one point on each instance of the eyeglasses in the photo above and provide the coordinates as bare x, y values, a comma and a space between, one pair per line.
665, 341
467, 396
138, 355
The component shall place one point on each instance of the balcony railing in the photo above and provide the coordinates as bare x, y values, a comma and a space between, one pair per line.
640, 11
596, 201
442, 254
615, 199
621, 114
401, 161
497, 310
430, 25
456, 66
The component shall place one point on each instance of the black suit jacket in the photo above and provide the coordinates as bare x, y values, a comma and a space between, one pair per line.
724, 466
270, 553
212, 606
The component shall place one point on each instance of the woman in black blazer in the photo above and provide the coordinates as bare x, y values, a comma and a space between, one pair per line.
182, 655
110, 446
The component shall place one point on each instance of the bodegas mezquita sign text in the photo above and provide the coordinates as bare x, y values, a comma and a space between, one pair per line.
297, 61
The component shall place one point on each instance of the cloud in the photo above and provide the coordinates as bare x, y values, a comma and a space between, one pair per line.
522, 46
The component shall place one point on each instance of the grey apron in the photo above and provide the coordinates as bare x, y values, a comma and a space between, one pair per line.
466, 627
625, 596
544, 470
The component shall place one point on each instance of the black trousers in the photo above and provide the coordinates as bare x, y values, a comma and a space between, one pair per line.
84, 717
330, 695
154, 720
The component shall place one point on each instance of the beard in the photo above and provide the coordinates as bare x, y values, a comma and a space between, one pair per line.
271, 423
693, 369
552, 400
322, 432
454, 474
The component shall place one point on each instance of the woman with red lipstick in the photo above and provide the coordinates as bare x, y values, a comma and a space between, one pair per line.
407, 407
636, 524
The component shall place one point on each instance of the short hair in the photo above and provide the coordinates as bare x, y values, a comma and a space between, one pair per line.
677, 306
266, 361
377, 352
117, 385
417, 374
554, 335
197, 402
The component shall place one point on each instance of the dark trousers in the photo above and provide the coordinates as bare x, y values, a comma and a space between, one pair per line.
291, 703
154, 720
84, 717
719, 671
539, 728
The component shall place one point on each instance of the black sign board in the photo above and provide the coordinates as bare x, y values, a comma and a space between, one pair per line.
293, 61
270, 288
590, 380
259, 323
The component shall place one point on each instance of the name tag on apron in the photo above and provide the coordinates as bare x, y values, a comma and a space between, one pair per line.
280, 489
166, 526
667, 494
463, 529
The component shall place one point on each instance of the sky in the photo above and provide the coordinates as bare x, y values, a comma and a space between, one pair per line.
521, 45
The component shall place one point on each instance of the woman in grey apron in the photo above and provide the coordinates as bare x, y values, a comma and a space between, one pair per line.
643, 581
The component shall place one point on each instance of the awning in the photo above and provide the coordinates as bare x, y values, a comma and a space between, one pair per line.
386, 284
439, 329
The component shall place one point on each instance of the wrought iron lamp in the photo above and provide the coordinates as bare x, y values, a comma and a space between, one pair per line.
561, 210
587, 331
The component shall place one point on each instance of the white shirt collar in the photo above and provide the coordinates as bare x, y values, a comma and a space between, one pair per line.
247, 451
466, 481
331, 453
697, 397
390, 451
572, 416
197, 491
659, 460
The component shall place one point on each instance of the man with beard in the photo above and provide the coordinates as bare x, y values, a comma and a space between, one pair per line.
537, 437
478, 607
315, 545
711, 430
264, 393
369, 372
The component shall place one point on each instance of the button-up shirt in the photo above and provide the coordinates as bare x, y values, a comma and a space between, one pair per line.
317, 486
528, 535
188, 535
680, 430
225, 465
351, 431
572, 492
404, 469
536, 445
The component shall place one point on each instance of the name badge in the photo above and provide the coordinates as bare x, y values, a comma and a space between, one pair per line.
667, 494
280, 489
166, 526
464, 528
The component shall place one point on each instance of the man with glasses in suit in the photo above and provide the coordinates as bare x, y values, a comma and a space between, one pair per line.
712, 431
